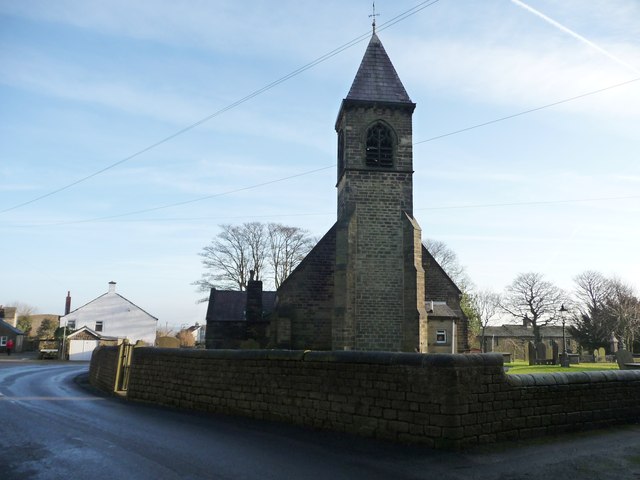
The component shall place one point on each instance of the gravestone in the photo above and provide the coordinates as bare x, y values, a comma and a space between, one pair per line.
531, 352
554, 347
623, 357
596, 355
541, 351
602, 356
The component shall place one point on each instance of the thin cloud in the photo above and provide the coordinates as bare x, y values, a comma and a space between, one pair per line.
519, 76
579, 37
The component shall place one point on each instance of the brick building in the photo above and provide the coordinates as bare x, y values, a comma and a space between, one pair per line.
369, 283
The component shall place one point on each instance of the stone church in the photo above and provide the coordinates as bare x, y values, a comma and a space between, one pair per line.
369, 283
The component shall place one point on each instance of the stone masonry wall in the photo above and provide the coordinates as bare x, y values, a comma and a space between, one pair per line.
440, 287
439, 400
103, 367
305, 299
373, 202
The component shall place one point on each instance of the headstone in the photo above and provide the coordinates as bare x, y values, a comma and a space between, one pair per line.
531, 351
554, 347
623, 357
602, 356
596, 355
541, 351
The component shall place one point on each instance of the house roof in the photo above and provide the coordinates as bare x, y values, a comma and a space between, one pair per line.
104, 295
229, 305
11, 328
433, 263
91, 332
87, 330
520, 331
377, 79
440, 309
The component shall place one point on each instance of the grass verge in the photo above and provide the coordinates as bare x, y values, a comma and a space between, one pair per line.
519, 368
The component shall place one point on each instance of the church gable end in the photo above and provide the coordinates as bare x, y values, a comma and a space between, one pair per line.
305, 300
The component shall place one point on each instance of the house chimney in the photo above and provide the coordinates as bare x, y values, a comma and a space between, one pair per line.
67, 303
254, 299
112, 287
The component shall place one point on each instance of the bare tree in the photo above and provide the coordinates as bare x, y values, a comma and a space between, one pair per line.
534, 301
607, 306
256, 237
592, 323
486, 304
229, 257
287, 248
592, 290
624, 308
448, 260
239, 249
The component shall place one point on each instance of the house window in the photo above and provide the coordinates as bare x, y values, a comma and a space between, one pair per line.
379, 146
3, 341
98, 326
441, 336
71, 324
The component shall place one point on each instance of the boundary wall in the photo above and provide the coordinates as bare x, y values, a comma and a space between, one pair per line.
103, 368
441, 400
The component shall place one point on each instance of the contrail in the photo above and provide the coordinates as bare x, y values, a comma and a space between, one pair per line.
586, 41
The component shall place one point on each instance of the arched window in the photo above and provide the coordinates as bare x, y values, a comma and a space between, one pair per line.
379, 146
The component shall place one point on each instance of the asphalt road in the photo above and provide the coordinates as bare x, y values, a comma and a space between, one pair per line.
53, 426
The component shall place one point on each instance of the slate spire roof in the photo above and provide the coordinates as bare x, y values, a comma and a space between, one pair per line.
376, 79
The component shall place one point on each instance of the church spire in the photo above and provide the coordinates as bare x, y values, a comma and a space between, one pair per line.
377, 80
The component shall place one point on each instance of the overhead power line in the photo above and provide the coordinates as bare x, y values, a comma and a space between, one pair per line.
279, 215
532, 203
308, 172
412, 11
508, 117
194, 200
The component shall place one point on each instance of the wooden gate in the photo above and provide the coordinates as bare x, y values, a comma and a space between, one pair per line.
125, 351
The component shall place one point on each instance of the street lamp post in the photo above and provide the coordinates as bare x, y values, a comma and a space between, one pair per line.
565, 357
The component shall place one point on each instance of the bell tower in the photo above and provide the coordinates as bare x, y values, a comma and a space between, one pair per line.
379, 279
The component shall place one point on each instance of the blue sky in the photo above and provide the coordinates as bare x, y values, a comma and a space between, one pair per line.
84, 85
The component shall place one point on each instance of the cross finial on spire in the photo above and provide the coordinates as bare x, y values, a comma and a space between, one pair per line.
374, 15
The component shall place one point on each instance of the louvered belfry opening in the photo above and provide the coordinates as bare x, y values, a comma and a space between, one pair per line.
379, 146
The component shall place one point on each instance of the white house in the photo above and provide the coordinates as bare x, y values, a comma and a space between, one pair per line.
198, 332
112, 315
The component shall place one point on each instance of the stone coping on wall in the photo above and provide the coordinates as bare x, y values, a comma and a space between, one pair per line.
342, 356
568, 378
407, 359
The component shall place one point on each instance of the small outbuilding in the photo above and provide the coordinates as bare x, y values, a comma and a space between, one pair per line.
9, 332
79, 345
